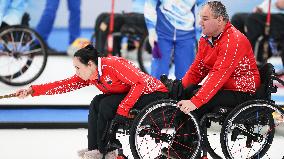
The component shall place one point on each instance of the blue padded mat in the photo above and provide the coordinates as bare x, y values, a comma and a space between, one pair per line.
43, 115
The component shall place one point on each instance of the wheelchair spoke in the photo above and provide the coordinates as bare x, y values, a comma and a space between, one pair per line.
153, 121
156, 129
27, 53
183, 145
23, 55
249, 132
13, 41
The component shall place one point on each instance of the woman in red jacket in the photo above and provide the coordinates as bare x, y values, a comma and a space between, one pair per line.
123, 85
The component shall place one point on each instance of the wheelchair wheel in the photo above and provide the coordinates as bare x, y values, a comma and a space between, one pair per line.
23, 55
211, 141
145, 55
161, 125
252, 131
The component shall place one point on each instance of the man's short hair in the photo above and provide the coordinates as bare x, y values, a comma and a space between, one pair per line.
218, 9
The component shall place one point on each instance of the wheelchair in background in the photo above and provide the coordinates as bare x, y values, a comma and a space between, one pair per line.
252, 129
267, 47
130, 38
23, 54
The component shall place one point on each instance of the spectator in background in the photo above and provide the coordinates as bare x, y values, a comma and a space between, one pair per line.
12, 11
171, 24
253, 24
46, 22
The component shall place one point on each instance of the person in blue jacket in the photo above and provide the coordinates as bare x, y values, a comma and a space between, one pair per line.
46, 22
171, 24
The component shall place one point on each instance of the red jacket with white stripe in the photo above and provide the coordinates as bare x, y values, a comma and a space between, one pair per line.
228, 63
116, 75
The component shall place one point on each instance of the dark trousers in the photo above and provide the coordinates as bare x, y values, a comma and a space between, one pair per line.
103, 109
225, 98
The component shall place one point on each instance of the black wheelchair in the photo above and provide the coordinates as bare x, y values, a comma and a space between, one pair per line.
129, 38
267, 47
253, 129
23, 54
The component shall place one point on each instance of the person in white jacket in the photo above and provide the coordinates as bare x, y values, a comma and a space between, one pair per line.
171, 24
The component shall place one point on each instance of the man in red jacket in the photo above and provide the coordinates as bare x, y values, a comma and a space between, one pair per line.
123, 85
226, 59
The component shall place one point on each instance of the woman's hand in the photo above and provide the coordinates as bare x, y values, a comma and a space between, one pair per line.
186, 106
23, 93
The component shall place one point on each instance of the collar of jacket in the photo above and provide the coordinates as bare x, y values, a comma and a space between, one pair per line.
99, 70
100, 67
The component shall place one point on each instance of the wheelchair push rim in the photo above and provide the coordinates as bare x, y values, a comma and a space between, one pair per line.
155, 129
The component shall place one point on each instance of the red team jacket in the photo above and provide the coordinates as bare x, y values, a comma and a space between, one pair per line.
228, 63
116, 75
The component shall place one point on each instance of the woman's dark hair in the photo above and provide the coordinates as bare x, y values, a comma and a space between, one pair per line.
86, 54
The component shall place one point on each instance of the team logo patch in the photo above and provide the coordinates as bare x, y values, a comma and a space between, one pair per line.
108, 80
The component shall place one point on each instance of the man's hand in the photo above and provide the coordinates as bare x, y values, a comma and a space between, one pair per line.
186, 106
23, 93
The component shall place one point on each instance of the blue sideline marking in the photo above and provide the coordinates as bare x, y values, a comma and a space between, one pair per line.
44, 115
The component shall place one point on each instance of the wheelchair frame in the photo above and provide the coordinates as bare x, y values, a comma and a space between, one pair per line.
134, 42
223, 115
